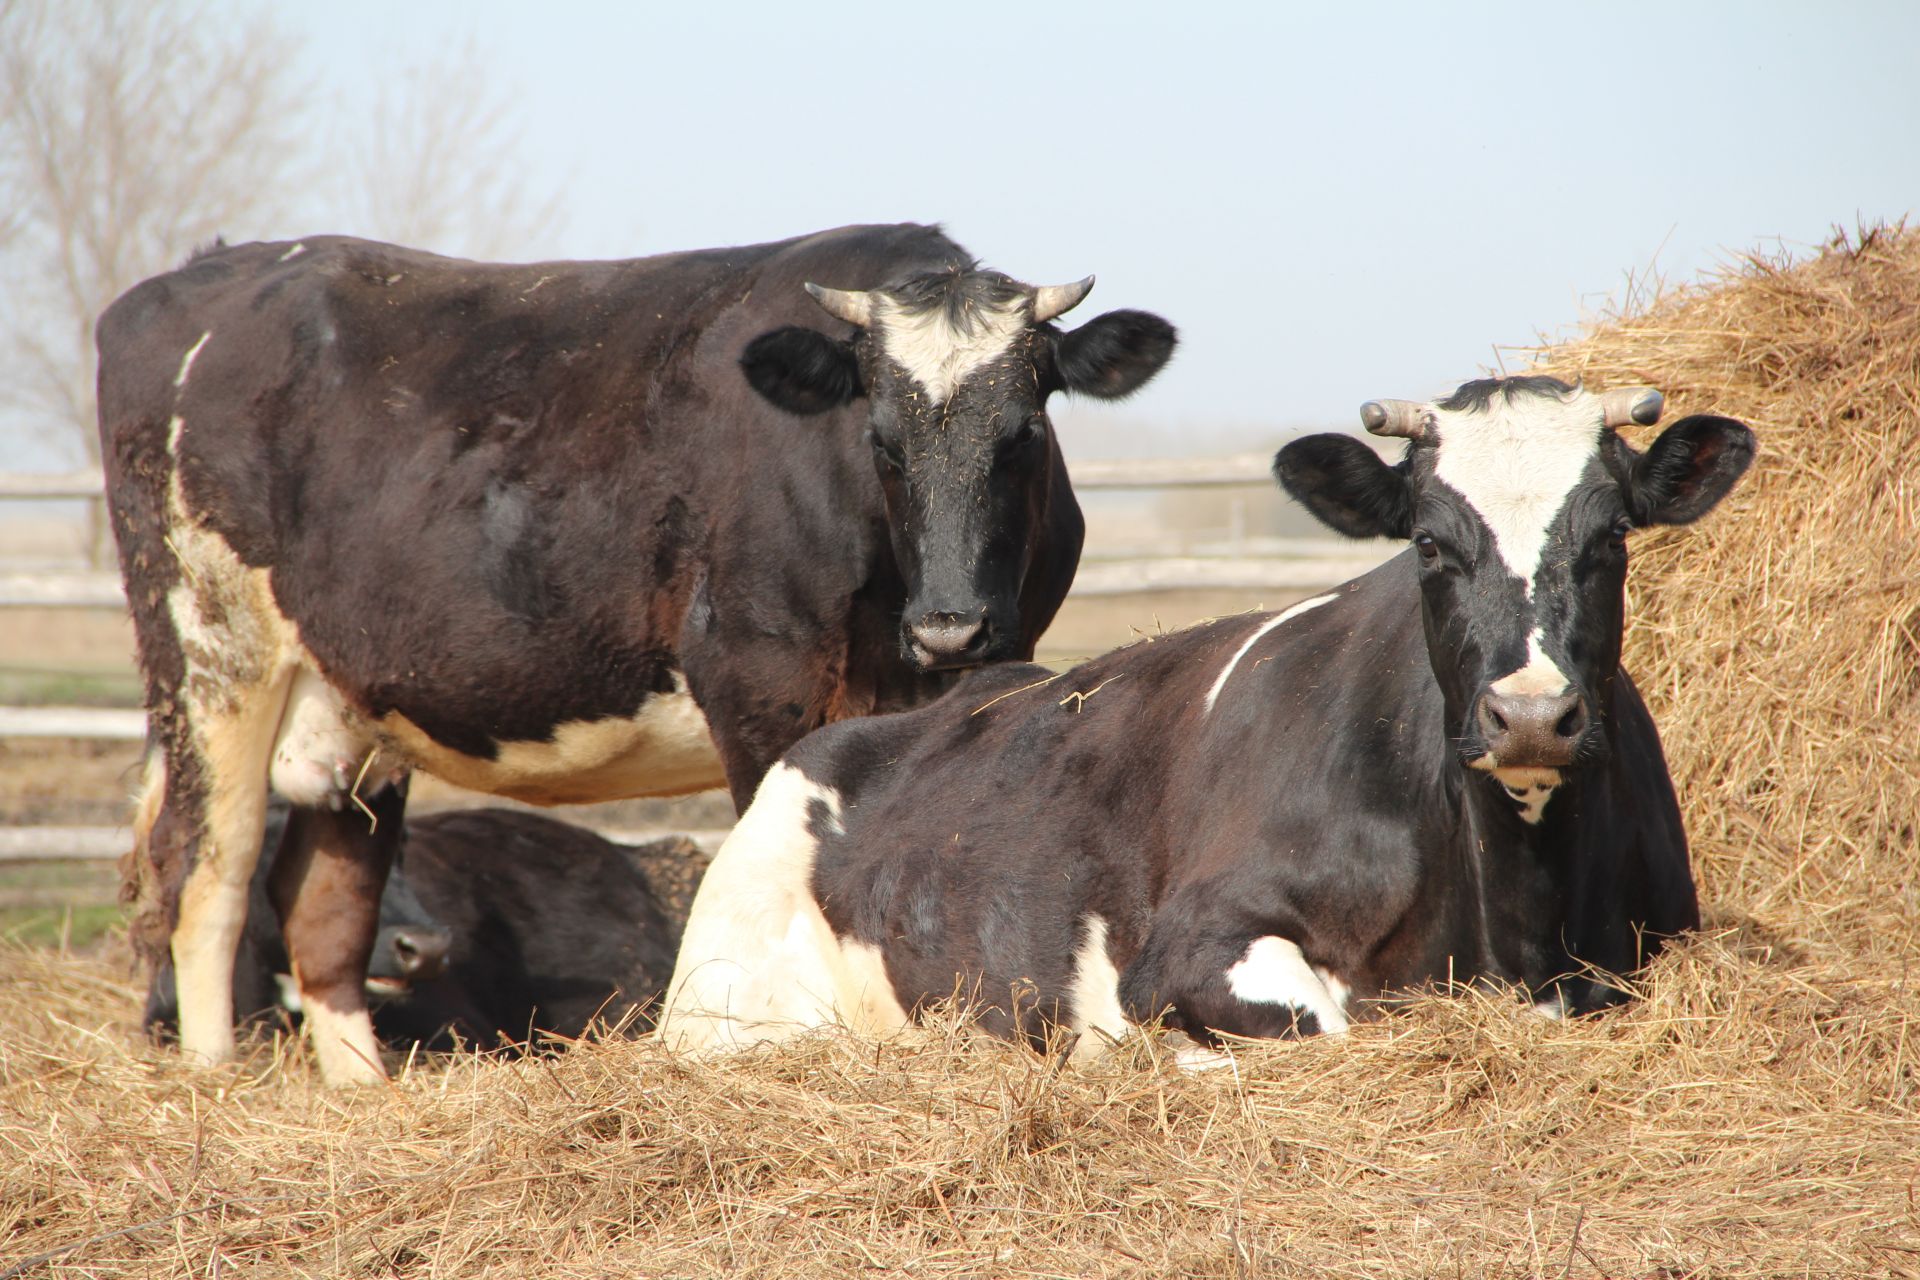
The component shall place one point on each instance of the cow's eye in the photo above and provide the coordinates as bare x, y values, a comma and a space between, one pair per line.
1617, 536
885, 452
1423, 543
1033, 429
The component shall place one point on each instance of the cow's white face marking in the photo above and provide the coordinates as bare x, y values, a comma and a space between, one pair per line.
664, 748
940, 355
1095, 1012
1541, 677
1285, 615
186, 364
1274, 971
758, 960
1530, 786
1516, 463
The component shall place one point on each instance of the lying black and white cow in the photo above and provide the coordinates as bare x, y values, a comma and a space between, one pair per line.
1265, 825
498, 926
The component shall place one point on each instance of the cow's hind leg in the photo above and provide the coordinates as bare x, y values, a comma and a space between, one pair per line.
758, 960
219, 774
326, 886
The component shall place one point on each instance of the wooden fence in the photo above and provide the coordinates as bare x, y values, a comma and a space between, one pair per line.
1253, 564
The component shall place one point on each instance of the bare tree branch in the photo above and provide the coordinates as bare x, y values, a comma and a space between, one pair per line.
130, 133
435, 164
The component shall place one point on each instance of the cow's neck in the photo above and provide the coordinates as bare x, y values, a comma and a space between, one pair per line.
1518, 876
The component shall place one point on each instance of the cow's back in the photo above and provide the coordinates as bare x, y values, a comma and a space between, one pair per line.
483, 497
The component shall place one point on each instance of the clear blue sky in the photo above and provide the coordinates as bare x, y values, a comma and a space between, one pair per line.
1333, 202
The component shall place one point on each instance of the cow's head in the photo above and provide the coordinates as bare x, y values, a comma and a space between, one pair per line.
956, 367
1518, 498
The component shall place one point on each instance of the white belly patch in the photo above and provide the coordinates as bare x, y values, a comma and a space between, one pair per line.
663, 749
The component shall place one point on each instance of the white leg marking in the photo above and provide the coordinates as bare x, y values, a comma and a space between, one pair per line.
232, 641
1516, 463
936, 354
344, 1043
1285, 615
1539, 678
1096, 1016
1273, 971
758, 960
1342, 994
186, 365
233, 742
1554, 1008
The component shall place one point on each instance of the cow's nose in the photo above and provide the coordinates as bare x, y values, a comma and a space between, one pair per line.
418, 952
1532, 729
949, 639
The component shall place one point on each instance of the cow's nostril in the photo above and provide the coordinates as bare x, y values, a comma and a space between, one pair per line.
419, 953
1532, 729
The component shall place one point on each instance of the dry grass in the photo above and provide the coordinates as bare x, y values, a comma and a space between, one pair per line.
1753, 1116
1779, 641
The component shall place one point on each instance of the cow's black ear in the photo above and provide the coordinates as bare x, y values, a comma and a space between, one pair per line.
1114, 355
1346, 486
1684, 474
802, 370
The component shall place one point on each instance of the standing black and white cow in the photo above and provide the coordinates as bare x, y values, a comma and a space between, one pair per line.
530, 529
1266, 825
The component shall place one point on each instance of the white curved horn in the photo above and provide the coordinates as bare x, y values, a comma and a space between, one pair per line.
855, 306
1051, 300
1405, 418
1623, 405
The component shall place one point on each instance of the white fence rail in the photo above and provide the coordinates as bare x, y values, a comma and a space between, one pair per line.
1255, 564
104, 844
1109, 473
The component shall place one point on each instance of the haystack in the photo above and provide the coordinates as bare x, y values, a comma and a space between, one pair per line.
1756, 1114
1779, 642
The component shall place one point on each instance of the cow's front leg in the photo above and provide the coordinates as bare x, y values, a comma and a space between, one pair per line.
1245, 982
326, 886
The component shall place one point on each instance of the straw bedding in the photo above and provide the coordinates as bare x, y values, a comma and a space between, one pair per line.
1754, 1115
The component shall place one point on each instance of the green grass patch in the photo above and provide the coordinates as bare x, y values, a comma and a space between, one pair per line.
76, 926
33, 687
